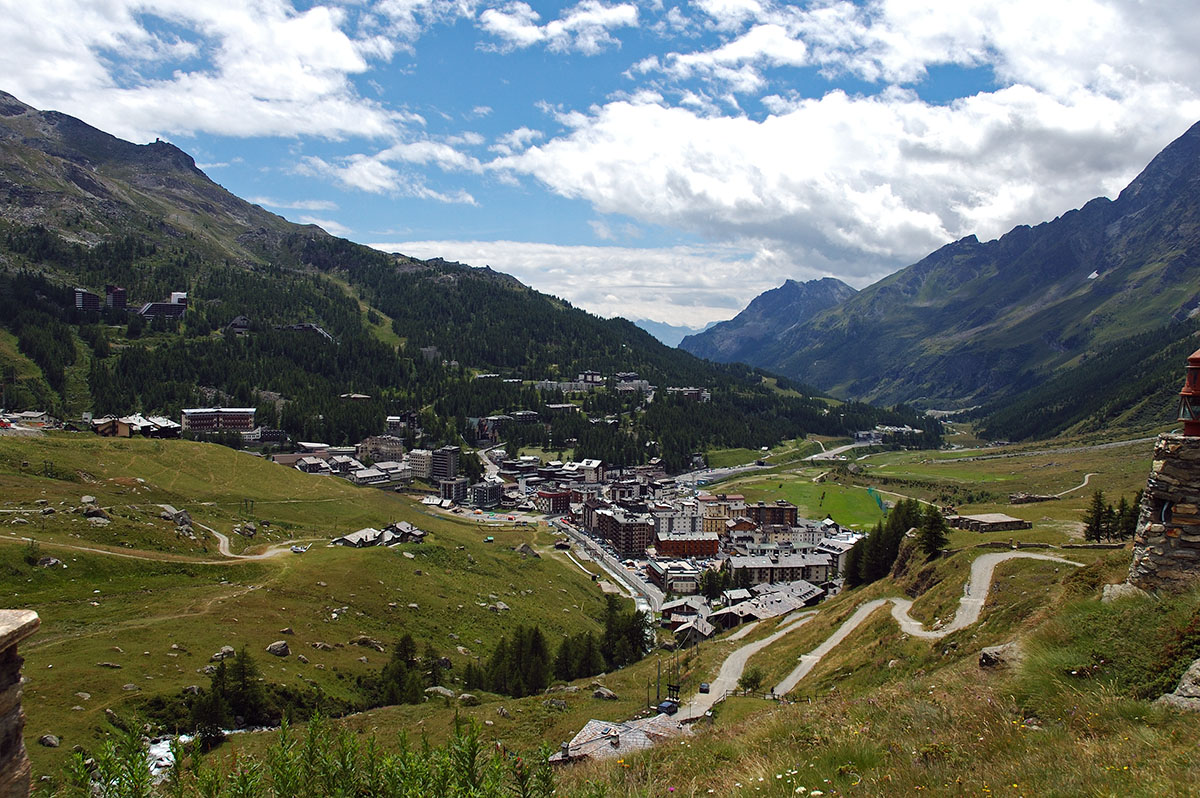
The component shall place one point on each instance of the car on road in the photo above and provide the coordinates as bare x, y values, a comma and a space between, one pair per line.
704, 688
668, 707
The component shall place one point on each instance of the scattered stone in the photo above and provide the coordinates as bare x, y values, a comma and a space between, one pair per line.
321, 584
84, 696
604, 693
287, 630
191, 689
98, 521
20, 520
48, 740
303, 660
439, 690
1000, 656
502, 712
225, 653
489, 723
130, 687
363, 660
77, 708
320, 646
417, 572
113, 665
893, 663
48, 562
464, 651
88, 500
469, 700
279, 648
557, 704
1123, 590
207, 670
92, 511
409, 555
367, 642
413, 607
48, 511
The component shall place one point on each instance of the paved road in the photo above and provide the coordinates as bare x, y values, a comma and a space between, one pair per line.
732, 667
969, 608
830, 454
643, 592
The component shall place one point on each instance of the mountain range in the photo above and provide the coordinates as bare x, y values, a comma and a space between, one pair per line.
981, 322
318, 318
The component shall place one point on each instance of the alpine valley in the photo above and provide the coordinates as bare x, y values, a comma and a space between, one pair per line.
1072, 324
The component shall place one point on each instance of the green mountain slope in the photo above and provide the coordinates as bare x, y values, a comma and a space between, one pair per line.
81, 208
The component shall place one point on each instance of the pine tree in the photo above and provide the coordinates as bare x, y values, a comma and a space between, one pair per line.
932, 533
1093, 518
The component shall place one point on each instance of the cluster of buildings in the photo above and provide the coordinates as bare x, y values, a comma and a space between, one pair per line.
623, 382
390, 535
117, 298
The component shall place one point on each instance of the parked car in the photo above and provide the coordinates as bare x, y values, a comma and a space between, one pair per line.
704, 687
668, 707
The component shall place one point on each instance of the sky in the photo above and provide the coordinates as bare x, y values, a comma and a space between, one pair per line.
654, 159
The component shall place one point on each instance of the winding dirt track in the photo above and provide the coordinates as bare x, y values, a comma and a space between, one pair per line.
969, 608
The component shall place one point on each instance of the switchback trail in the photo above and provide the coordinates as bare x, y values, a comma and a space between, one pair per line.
969, 608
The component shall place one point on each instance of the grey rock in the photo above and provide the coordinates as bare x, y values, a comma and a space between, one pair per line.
49, 740
48, 511
414, 607
84, 696
88, 500
191, 689
604, 693
303, 660
1000, 656
502, 712
439, 690
279, 648
130, 687
1123, 590
557, 704
320, 646
287, 630
113, 665
92, 511
20, 520
225, 653
468, 699
98, 521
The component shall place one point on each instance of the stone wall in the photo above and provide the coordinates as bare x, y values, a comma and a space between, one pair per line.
15, 626
1166, 548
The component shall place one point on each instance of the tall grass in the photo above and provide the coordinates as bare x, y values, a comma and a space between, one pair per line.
326, 760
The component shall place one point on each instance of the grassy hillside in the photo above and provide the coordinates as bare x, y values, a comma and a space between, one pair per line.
160, 591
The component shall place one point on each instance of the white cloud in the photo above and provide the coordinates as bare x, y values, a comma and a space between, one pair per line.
685, 285
295, 205
251, 68
584, 27
516, 140
375, 175
408, 19
863, 184
328, 225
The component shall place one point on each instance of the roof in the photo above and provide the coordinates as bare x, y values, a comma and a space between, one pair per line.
367, 535
603, 739
992, 518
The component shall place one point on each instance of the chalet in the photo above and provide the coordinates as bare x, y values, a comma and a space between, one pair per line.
693, 632
360, 539
239, 326
674, 576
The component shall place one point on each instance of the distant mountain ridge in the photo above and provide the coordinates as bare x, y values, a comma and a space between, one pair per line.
769, 316
976, 321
